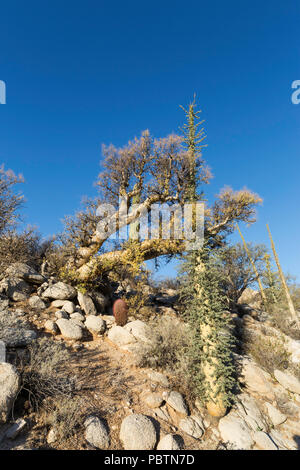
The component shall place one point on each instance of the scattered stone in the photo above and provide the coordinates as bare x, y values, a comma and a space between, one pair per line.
138, 433
170, 442
51, 326
61, 314
176, 401
159, 378
235, 432
68, 307
264, 441
52, 436
9, 386
153, 400
16, 428
191, 427
96, 433
119, 336
275, 415
95, 324
86, 303
69, 329
77, 316
16, 289
60, 291
288, 381
36, 303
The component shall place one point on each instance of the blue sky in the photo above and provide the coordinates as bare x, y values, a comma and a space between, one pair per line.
79, 74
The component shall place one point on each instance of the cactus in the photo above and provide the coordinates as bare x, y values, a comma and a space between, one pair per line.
120, 312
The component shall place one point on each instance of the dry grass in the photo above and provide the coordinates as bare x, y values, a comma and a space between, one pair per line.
267, 352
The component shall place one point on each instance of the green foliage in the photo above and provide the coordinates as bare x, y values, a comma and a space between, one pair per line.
205, 304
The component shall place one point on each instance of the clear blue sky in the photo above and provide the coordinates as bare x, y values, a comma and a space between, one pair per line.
80, 74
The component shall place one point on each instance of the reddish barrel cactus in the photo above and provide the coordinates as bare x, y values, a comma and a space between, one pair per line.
120, 311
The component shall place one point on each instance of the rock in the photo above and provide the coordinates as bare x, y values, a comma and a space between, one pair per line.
255, 379
16, 289
101, 302
191, 427
16, 428
60, 291
153, 400
248, 410
170, 442
251, 297
96, 433
62, 314
52, 436
176, 401
162, 413
139, 330
264, 441
77, 316
36, 303
275, 415
17, 337
288, 381
138, 433
9, 387
159, 378
86, 303
119, 336
25, 272
283, 442
235, 432
95, 324
68, 307
58, 303
51, 326
69, 329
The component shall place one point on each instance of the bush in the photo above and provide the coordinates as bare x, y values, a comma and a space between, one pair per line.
66, 417
44, 372
269, 353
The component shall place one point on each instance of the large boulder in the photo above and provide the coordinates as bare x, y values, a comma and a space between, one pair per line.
69, 329
275, 415
138, 433
255, 379
235, 432
25, 272
96, 433
95, 324
60, 291
9, 386
120, 337
288, 381
86, 303
140, 330
252, 298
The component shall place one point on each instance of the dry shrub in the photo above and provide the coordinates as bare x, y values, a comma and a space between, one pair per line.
280, 317
166, 346
66, 417
269, 353
22, 247
45, 373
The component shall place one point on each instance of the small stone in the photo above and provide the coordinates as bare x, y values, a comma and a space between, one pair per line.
176, 401
138, 433
87, 304
96, 433
170, 442
36, 303
16, 428
51, 326
159, 378
69, 329
191, 427
95, 324
61, 314
153, 400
